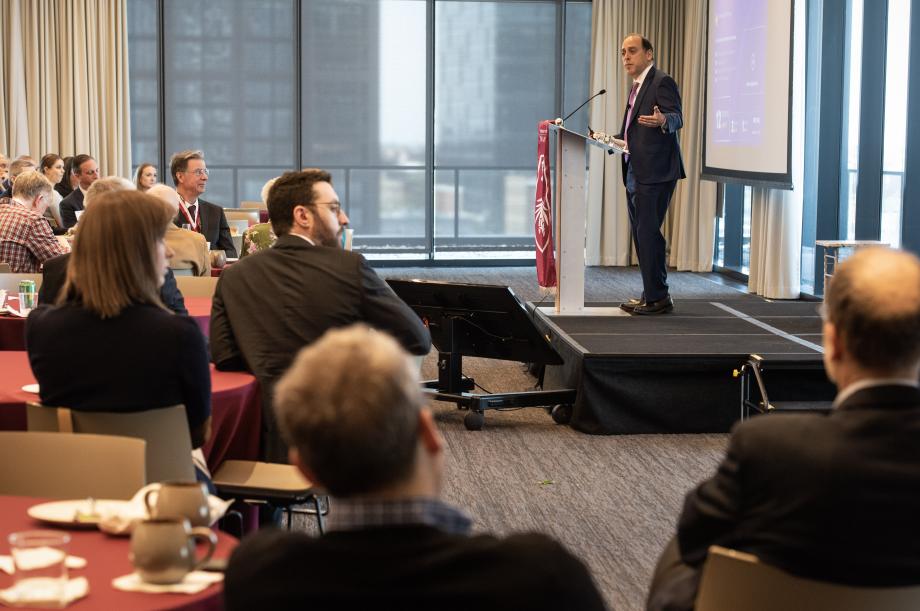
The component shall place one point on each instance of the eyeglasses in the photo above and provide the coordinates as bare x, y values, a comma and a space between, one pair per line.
334, 207
198, 172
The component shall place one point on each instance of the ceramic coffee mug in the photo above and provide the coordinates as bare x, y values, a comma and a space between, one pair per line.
180, 500
163, 549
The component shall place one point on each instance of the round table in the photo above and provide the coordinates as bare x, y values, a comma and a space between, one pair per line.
13, 328
107, 558
236, 408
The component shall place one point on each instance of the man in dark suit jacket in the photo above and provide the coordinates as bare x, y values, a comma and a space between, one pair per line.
833, 498
190, 175
651, 169
271, 304
353, 409
87, 171
54, 273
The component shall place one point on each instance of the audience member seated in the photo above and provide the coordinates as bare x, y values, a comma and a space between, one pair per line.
190, 175
352, 409
267, 307
86, 172
190, 249
145, 177
54, 271
69, 182
110, 344
832, 498
4, 167
52, 166
20, 165
260, 236
26, 239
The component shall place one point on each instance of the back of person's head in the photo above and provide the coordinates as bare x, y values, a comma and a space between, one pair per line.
30, 184
77, 161
266, 188
21, 165
115, 261
873, 302
179, 162
106, 185
290, 190
349, 405
166, 194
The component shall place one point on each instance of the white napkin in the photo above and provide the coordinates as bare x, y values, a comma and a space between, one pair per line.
192, 583
72, 562
121, 521
17, 313
20, 594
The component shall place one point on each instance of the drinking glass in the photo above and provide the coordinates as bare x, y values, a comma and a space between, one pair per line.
40, 575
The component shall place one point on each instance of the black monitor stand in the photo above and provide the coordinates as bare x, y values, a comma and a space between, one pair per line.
484, 321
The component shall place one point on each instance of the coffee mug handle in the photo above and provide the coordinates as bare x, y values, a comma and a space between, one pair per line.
208, 535
147, 503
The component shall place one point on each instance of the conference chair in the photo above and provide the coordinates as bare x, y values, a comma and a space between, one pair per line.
251, 216
196, 286
253, 205
734, 580
169, 455
183, 272
71, 466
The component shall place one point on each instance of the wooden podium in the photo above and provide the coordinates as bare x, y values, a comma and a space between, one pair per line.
569, 220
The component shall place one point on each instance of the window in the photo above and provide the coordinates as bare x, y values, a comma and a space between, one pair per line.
894, 147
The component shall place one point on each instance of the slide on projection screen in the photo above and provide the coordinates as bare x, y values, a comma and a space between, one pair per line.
748, 93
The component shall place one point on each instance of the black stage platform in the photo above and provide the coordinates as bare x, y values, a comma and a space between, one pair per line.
673, 373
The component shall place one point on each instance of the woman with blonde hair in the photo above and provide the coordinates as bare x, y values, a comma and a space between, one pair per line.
109, 343
145, 176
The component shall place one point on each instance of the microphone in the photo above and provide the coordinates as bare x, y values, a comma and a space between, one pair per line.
601, 92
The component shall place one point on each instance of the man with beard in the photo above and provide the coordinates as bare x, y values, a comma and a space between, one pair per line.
273, 303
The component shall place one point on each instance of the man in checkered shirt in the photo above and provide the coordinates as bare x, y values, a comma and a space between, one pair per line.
26, 239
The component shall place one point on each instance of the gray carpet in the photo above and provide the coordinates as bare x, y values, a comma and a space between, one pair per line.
613, 501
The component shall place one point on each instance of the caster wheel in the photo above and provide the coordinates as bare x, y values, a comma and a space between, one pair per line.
473, 421
562, 414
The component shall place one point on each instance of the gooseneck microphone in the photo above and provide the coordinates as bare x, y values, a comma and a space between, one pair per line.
601, 92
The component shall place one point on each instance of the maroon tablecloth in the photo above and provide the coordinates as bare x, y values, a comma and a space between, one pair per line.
236, 408
107, 558
13, 328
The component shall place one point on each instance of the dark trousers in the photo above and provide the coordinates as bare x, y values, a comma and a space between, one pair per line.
647, 204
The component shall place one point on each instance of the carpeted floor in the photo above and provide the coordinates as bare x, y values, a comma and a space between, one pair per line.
613, 501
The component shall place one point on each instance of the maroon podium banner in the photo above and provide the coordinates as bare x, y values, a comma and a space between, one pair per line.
543, 212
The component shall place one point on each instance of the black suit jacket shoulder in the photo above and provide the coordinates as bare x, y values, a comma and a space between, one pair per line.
215, 228
407, 568
271, 304
69, 207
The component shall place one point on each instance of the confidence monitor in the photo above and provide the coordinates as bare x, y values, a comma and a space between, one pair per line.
484, 321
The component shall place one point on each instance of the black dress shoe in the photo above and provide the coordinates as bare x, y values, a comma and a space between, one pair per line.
630, 305
662, 306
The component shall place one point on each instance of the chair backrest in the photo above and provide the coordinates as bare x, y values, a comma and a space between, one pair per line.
735, 580
253, 205
237, 214
10, 282
183, 272
71, 466
196, 286
165, 429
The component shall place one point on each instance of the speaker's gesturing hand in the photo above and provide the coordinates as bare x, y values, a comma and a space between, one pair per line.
656, 119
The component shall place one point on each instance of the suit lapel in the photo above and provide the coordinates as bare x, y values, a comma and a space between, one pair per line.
640, 95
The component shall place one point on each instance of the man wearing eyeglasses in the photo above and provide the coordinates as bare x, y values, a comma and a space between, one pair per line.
190, 175
276, 301
86, 170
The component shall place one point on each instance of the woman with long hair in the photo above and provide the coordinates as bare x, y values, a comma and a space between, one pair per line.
67, 184
52, 166
145, 176
109, 343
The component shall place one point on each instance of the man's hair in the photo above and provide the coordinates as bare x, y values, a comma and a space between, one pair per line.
114, 259
20, 165
350, 406
266, 188
30, 184
78, 161
47, 162
179, 162
106, 185
167, 194
646, 44
292, 189
873, 301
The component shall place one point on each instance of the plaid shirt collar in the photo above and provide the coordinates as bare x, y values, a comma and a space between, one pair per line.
360, 514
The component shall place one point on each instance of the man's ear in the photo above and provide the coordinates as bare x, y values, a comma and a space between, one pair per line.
428, 432
296, 460
833, 343
303, 218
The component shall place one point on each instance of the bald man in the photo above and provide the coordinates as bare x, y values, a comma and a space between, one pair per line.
834, 498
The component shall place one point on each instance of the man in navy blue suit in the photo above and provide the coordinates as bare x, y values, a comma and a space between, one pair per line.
651, 168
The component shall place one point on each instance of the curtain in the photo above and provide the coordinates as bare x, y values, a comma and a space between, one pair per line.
776, 215
677, 31
64, 80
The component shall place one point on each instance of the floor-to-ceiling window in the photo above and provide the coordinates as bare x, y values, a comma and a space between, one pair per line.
425, 111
